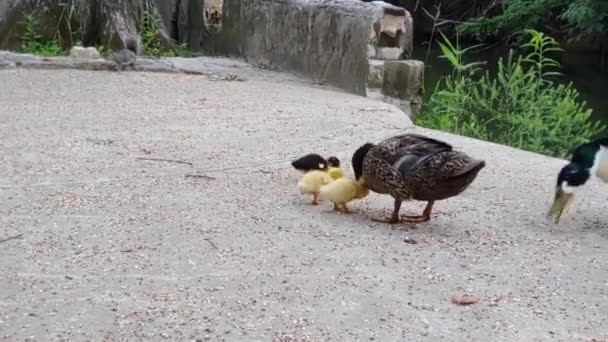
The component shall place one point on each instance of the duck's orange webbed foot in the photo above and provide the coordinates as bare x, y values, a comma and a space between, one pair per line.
394, 216
390, 220
426, 214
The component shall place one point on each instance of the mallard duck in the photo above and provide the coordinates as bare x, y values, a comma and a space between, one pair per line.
589, 159
414, 167
314, 161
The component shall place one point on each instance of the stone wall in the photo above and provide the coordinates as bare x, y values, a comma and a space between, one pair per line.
331, 41
343, 43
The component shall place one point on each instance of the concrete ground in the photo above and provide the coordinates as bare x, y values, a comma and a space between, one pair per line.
110, 246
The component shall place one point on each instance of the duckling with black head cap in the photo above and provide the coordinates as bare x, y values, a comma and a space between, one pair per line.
309, 162
335, 172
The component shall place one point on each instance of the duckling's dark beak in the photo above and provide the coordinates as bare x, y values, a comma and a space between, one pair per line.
560, 202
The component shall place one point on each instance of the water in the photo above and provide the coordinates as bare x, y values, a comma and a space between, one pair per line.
582, 69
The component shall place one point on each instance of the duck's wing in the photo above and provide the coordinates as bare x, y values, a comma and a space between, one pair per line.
400, 146
422, 150
413, 139
443, 175
385, 178
389, 163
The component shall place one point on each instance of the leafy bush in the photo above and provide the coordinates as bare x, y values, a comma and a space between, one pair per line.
31, 41
580, 17
103, 50
151, 38
587, 17
520, 106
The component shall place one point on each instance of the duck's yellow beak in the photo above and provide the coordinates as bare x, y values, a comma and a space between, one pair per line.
560, 202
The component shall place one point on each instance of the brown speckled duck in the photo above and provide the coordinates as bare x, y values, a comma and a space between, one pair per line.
414, 167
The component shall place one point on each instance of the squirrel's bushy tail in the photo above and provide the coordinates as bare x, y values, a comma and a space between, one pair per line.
132, 44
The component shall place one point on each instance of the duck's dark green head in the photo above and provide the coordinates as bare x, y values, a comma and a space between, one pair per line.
574, 175
570, 178
358, 158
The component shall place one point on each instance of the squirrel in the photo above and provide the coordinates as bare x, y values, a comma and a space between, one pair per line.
127, 56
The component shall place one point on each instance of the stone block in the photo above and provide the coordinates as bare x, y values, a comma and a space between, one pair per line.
376, 73
213, 13
403, 79
388, 53
329, 40
84, 52
395, 28
371, 51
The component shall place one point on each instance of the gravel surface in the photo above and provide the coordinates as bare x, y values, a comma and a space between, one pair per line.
118, 245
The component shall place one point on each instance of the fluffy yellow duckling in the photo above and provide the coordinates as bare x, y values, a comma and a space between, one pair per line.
341, 191
311, 183
335, 173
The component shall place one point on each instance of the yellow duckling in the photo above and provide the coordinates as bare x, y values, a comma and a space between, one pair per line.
342, 191
311, 183
335, 173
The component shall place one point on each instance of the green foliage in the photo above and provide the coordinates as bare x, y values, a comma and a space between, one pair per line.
66, 24
519, 106
541, 45
65, 33
455, 56
152, 40
582, 17
103, 50
31, 40
587, 17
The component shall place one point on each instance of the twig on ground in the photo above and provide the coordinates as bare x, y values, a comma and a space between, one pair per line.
196, 175
211, 243
166, 160
19, 236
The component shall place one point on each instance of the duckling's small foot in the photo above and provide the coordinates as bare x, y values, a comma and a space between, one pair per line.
336, 207
346, 210
315, 201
